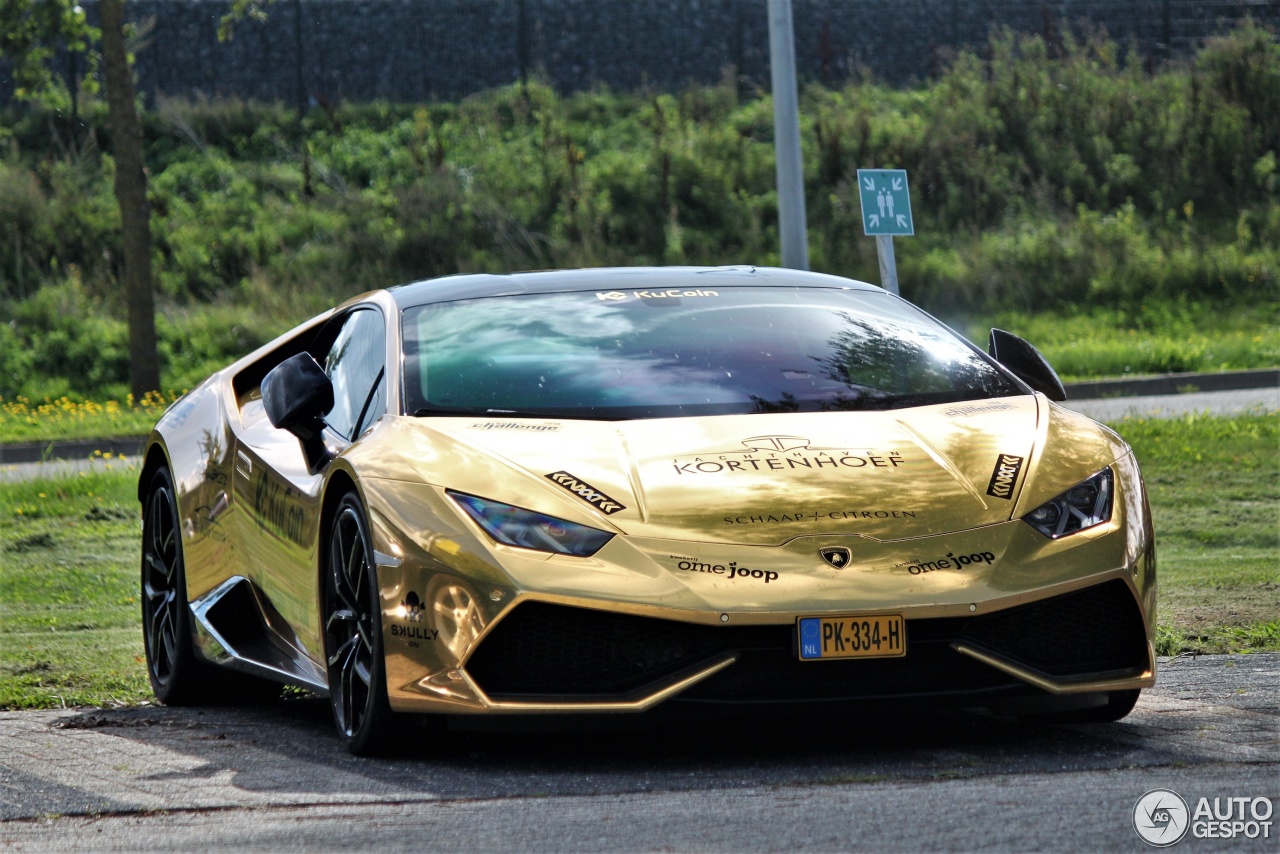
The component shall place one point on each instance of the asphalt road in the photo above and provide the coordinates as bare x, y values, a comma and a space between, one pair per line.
275, 778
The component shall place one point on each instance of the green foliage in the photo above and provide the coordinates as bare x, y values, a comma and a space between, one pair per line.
1172, 336
31, 34
1044, 177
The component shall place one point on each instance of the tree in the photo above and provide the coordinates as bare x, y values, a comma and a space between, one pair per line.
131, 196
31, 34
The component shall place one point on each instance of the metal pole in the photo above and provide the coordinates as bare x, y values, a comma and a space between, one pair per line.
888, 266
786, 123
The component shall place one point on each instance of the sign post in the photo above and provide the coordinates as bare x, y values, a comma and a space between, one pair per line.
886, 211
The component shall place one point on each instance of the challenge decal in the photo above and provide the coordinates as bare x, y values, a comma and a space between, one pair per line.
951, 561
783, 453
586, 492
617, 296
961, 411
688, 564
528, 426
776, 519
1004, 476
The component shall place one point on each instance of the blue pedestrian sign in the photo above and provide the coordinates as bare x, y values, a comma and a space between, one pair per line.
886, 204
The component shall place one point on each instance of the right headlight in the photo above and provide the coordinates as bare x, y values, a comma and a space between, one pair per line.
525, 529
1083, 506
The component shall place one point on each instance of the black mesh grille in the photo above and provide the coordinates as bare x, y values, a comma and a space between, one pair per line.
549, 651
1097, 629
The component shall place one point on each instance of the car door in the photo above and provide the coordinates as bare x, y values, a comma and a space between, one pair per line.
281, 493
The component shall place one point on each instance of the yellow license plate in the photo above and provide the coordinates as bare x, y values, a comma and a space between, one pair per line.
870, 636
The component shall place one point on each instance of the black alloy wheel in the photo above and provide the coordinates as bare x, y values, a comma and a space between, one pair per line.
353, 634
177, 676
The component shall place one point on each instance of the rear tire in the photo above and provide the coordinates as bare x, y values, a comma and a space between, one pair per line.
178, 677
353, 635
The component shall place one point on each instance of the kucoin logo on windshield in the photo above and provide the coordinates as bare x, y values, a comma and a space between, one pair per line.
674, 293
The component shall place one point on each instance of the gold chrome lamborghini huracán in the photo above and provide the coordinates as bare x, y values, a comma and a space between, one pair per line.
637, 489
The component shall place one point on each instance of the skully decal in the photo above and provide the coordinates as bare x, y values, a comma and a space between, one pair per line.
1004, 476
586, 492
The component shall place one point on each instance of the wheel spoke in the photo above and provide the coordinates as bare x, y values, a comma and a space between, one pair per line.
351, 622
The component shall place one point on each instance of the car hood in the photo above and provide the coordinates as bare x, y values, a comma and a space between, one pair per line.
758, 479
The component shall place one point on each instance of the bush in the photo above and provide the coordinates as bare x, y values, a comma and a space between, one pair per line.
1041, 176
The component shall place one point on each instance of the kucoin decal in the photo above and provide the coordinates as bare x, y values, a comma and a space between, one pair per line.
1004, 476
951, 561
818, 516
674, 293
731, 570
783, 454
586, 492
276, 509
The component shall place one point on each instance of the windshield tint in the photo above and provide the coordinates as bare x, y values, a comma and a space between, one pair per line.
650, 354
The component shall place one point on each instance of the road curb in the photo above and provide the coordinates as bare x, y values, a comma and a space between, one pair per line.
1174, 384
78, 449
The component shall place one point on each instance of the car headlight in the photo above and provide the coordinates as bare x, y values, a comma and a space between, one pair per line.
525, 529
1084, 505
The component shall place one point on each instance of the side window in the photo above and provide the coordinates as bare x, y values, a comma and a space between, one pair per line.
356, 364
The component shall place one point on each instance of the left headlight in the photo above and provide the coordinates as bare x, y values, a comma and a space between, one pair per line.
1084, 505
525, 529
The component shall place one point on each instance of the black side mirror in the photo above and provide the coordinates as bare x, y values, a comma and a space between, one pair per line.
1026, 363
297, 394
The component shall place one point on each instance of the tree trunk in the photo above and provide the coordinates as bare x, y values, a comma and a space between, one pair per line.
131, 195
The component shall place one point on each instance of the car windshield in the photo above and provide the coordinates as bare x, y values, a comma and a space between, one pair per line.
679, 351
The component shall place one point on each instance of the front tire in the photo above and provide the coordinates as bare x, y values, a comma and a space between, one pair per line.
1118, 705
353, 634
178, 677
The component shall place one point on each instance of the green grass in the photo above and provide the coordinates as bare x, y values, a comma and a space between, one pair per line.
69, 610
1164, 337
1215, 493
69, 613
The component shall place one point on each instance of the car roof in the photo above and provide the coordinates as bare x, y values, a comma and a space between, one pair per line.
476, 285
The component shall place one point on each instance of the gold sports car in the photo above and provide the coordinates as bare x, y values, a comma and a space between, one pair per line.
628, 490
